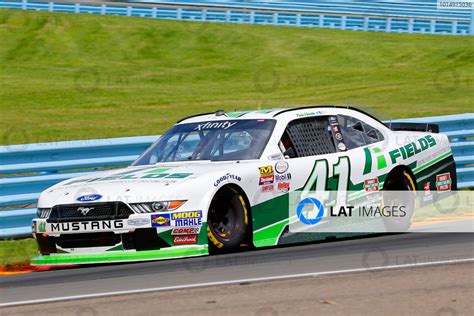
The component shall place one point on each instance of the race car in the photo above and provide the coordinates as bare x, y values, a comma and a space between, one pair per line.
219, 181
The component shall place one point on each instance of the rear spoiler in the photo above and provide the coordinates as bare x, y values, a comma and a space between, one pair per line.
413, 127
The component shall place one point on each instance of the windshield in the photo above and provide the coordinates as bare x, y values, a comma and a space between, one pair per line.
213, 140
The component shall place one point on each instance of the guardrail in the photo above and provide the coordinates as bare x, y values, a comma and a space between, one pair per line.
460, 130
28, 169
449, 24
399, 8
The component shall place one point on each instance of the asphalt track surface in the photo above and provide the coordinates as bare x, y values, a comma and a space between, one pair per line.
379, 253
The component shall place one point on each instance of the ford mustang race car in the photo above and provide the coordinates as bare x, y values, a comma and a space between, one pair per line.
216, 182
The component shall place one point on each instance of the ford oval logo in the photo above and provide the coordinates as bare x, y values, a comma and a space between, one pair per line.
89, 198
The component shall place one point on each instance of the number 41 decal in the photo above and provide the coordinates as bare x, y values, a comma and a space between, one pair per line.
320, 180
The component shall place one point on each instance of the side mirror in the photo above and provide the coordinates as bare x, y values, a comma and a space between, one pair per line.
290, 152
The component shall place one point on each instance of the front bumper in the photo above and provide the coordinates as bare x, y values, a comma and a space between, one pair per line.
140, 237
121, 256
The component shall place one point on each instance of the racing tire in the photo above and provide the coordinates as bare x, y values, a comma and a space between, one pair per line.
227, 222
400, 181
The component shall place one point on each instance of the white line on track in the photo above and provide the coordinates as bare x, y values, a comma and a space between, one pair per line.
230, 282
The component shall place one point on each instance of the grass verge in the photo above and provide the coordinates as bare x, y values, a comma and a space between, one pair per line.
82, 76
15, 254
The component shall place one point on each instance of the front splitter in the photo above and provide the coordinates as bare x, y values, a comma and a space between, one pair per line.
121, 256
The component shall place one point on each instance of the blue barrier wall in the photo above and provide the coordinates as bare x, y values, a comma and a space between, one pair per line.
26, 170
339, 15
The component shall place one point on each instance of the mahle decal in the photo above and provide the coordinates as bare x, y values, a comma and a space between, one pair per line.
192, 218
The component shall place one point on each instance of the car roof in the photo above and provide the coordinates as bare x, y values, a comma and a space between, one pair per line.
220, 115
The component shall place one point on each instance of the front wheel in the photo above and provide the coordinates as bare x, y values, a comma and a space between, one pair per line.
227, 222
400, 189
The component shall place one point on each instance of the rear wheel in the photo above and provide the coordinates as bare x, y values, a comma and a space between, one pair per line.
228, 221
396, 187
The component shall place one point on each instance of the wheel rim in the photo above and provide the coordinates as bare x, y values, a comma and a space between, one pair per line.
224, 223
398, 201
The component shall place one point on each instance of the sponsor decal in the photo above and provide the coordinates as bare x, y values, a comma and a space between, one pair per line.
266, 171
268, 188
306, 114
427, 189
275, 157
138, 221
282, 177
371, 185
186, 231
338, 136
185, 240
226, 178
155, 173
215, 125
342, 146
265, 180
443, 182
87, 226
41, 227
413, 148
84, 210
191, 218
281, 167
89, 198
284, 186
160, 220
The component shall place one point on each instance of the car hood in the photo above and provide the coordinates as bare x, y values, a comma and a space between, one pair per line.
138, 183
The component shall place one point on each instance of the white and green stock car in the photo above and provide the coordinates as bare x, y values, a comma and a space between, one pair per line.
215, 182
